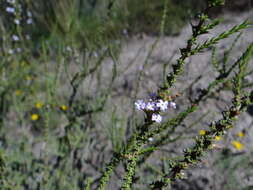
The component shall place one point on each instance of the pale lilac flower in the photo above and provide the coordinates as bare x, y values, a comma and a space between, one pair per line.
10, 51
10, 9
68, 49
15, 37
172, 105
151, 106
27, 37
11, 1
29, 13
29, 21
141, 67
156, 117
95, 54
150, 139
140, 105
17, 21
163, 105
19, 50
125, 32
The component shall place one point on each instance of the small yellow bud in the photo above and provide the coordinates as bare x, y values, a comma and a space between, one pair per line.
28, 78
34, 117
38, 105
18, 92
63, 107
202, 132
217, 138
237, 145
240, 134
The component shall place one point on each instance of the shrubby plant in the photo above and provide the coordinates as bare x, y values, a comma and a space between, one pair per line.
57, 98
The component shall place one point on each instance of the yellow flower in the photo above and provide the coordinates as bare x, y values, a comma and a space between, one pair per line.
34, 117
63, 107
18, 92
237, 145
202, 132
28, 78
240, 134
217, 138
38, 105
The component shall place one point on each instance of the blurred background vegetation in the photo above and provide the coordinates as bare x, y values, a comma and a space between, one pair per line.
58, 77
96, 21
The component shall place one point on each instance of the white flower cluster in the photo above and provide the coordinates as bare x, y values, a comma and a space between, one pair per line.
154, 106
21, 16
13, 9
